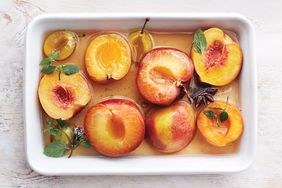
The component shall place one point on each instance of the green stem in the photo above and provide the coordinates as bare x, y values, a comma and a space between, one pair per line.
217, 123
73, 148
71, 152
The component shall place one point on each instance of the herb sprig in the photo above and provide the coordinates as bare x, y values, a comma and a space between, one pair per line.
48, 68
223, 116
57, 148
199, 42
79, 138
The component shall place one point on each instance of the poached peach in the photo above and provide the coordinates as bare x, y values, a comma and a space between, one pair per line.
160, 72
114, 127
141, 42
63, 98
170, 129
108, 57
221, 61
62, 41
227, 131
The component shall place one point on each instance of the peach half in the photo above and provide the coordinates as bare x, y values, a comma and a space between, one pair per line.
221, 61
114, 127
63, 41
160, 72
62, 99
108, 57
170, 129
228, 131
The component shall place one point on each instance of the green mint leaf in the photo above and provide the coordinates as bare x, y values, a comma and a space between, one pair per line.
54, 55
54, 131
85, 143
61, 123
200, 42
210, 114
216, 108
50, 123
223, 116
56, 148
47, 61
70, 69
48, 70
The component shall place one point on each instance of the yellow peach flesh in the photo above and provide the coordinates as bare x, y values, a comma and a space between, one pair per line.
114, 127
62, 41
108, 56
228, 132
158, 74
221, 61
61, 99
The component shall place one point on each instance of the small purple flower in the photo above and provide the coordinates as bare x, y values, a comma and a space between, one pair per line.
78, 131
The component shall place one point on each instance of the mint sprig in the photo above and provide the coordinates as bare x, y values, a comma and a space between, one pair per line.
79, 139
199, 42
57, 148
212, 115
223, 116
49, 69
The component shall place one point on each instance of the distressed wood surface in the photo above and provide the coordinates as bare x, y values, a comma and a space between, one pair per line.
266, 16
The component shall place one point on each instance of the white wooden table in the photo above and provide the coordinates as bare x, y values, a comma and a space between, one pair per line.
266, 16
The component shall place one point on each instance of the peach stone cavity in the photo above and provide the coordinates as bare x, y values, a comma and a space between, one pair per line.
160, 72
114, 127
62, 99
108, 57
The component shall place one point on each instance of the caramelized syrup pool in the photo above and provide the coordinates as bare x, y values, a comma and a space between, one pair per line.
127, 87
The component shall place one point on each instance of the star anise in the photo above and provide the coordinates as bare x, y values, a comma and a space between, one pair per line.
203, 96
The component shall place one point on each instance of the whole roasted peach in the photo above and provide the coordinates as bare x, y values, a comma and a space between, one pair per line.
108, 57
114, 127
63, 98
170, 129
161, 72
221, 133
221, 61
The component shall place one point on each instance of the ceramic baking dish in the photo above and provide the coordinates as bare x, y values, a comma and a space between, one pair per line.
165, 164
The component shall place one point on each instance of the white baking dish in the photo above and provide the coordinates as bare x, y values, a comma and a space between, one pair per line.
168, 164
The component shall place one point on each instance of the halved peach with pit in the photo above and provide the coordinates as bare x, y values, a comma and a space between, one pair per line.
63, 98
161, 72
221, 61
114, 127
108, 57
225, 132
